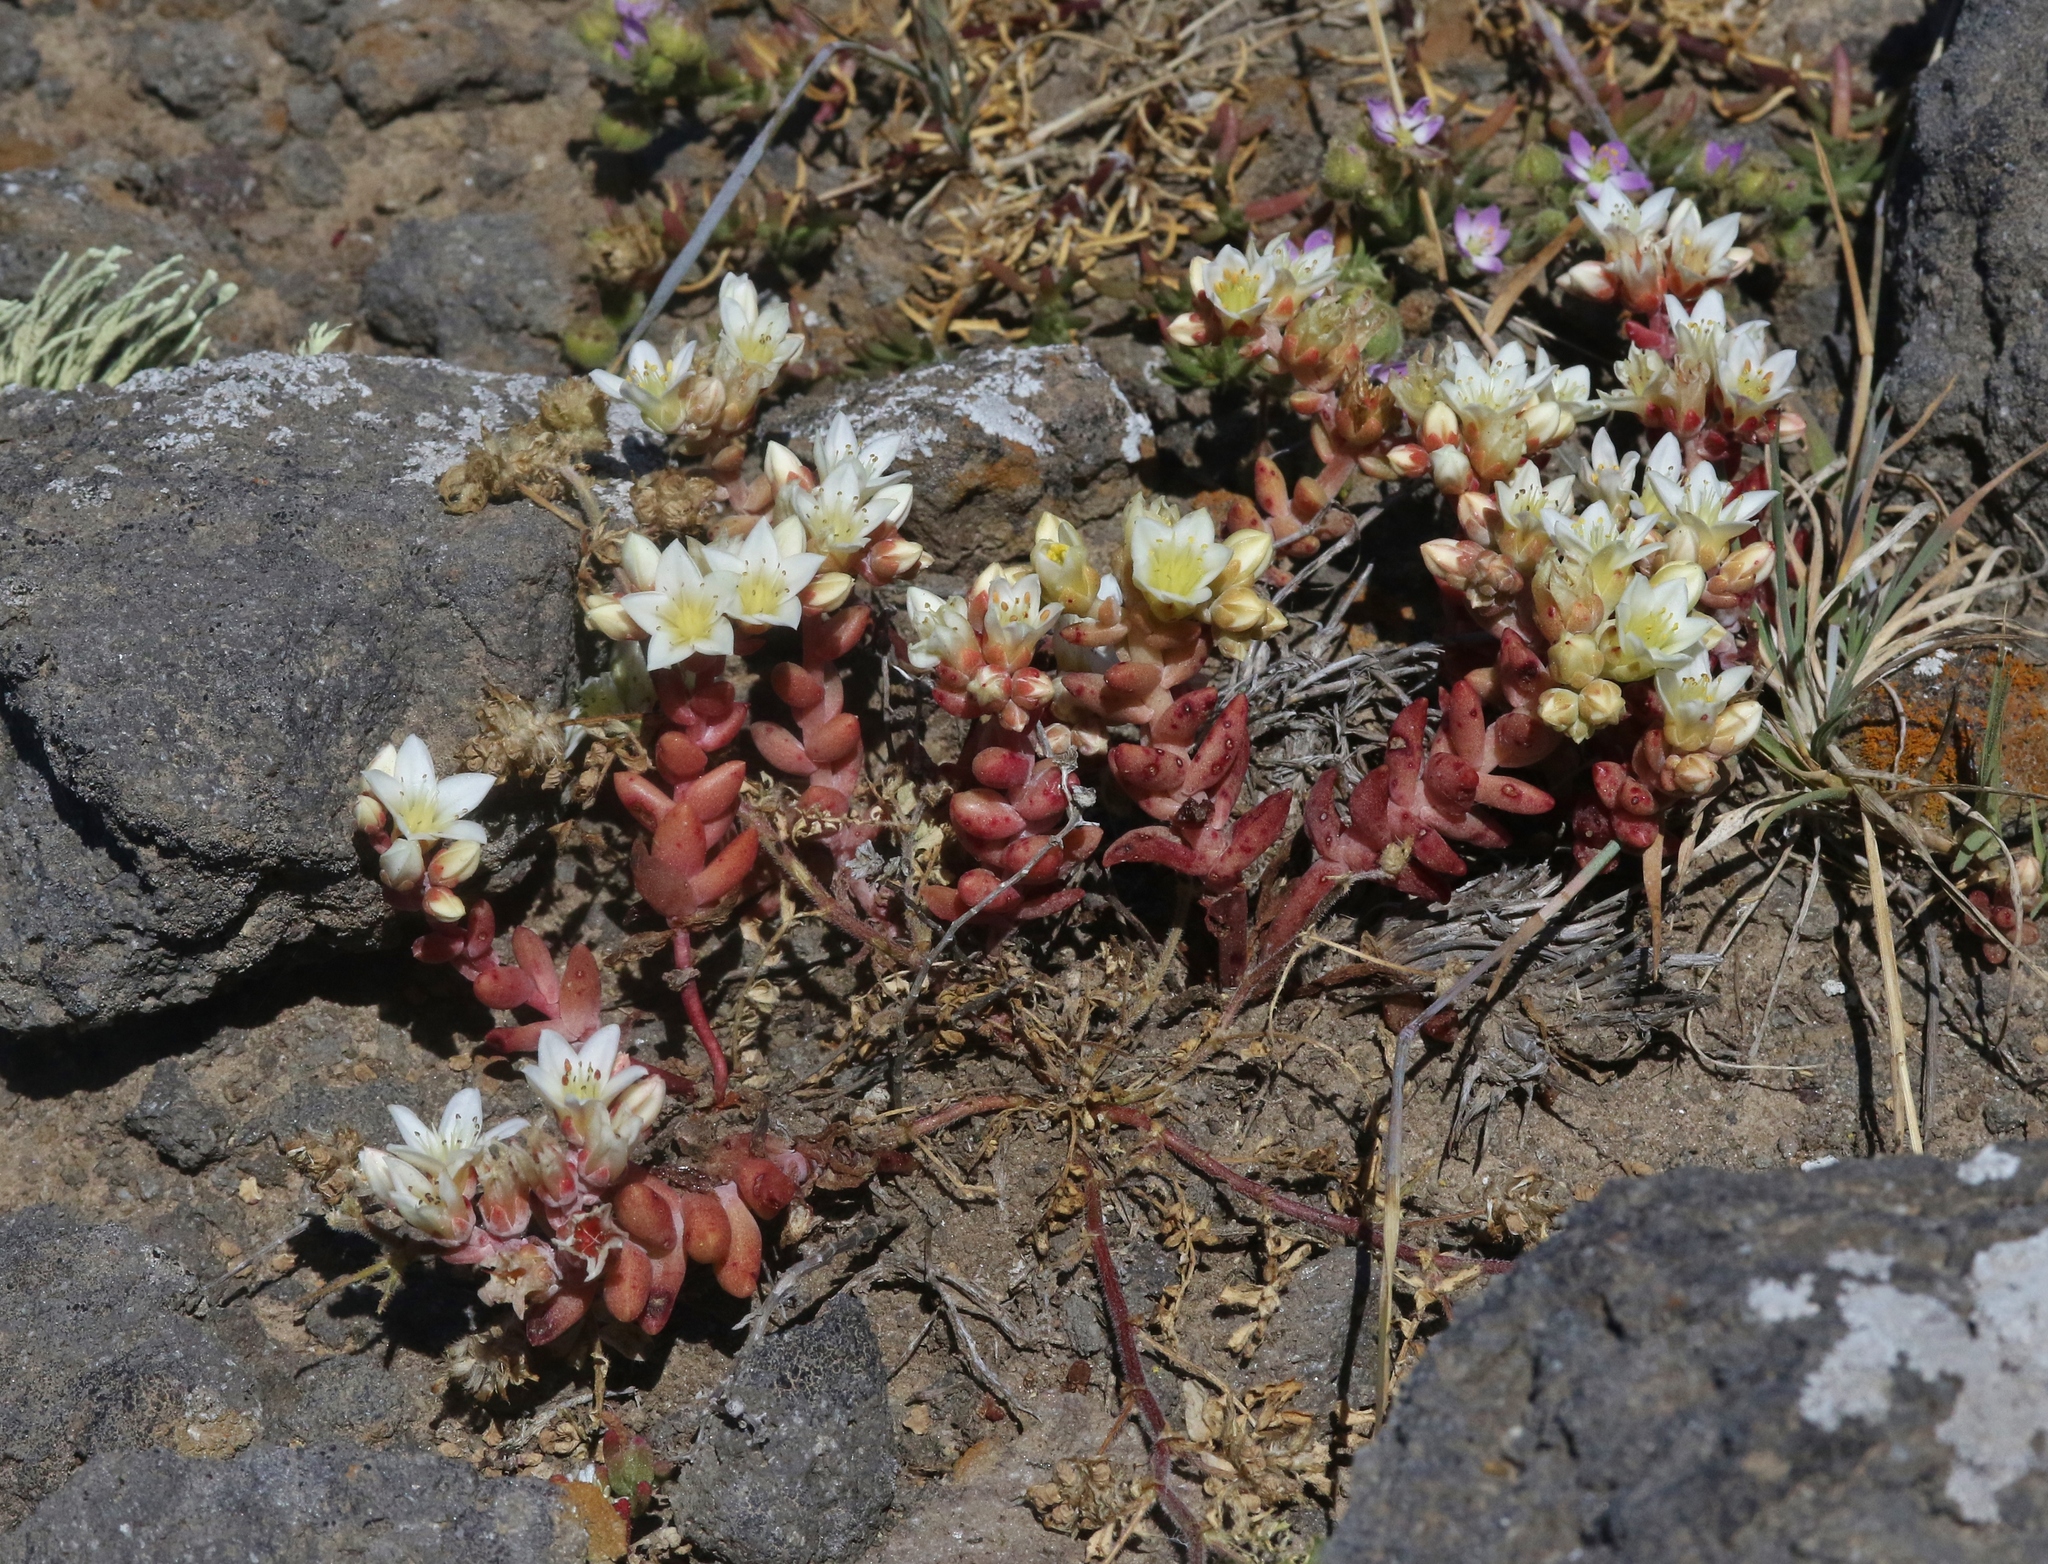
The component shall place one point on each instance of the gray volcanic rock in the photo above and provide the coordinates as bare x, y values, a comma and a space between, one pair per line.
221, 588
1850, 1364
487, 288
96, 1357
330, 1504
1969, 250
992, 437
795, 1458
405, 55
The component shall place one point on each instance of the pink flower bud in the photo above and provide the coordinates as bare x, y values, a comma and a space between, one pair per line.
1409, 461
893, 558
443, 905
1590, 280
455, 863
1190, 330
370, 817
1439, 426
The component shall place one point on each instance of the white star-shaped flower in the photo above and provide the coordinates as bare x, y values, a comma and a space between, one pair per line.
765, 580
575, 1077
684, 613
452, 1145
423, 807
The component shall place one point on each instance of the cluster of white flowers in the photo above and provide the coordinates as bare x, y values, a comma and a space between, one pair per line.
694, 408
1616, 583
405, 809
1251, 293
1657, 248
1480, 418
1717, 376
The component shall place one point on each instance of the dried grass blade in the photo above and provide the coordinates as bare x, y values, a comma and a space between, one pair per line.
1905, 1115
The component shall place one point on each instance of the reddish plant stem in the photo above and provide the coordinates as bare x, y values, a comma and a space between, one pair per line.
700, 1021
1334, 1222
1184, 1520
1273, 1200
966, 1108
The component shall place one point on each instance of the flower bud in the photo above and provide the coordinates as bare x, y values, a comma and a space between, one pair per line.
443, 905
1543, 424
400, 865
1188, 331
1576, 661
370, 817
894, 558
1602, 704
1408, 460
1742, 570
828, 590
455, 863
1478, 513
1695, 579
1451, 469
638, 1106
1692, 774
1032, 687
780, 463
602, 613
1567, 602
1593, 280
1558, 708
1791, 427
2027, 875
1439, 426
1251, 551
639, 562
1238, 611
1735, 727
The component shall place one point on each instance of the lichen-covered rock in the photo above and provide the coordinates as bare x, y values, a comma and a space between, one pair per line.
1969, 251
223, 587
991, 438
487, 289
794, 1458
323, 1505
1850, 1364
96, 1356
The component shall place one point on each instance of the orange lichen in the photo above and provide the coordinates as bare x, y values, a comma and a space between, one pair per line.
1925, 699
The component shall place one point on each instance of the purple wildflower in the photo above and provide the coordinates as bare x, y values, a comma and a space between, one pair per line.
1720, 157
633, 15
1481, 236
1413, 127
1608, 164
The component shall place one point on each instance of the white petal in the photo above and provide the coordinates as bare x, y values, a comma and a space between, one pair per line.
610, 384
600, 1049
465, 831
412, 1129
462, 1121
462, 792
415, 762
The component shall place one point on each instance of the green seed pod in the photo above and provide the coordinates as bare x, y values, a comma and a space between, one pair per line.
1793, 196
590, 343
677, 41
620, 135
1754, 184
1539, 165
597, 27
1795, 243
653, 72
1347, 171
1547, 224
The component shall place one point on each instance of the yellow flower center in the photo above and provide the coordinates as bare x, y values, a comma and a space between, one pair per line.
761, 592
1237, 289
1177, 568
690, 617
